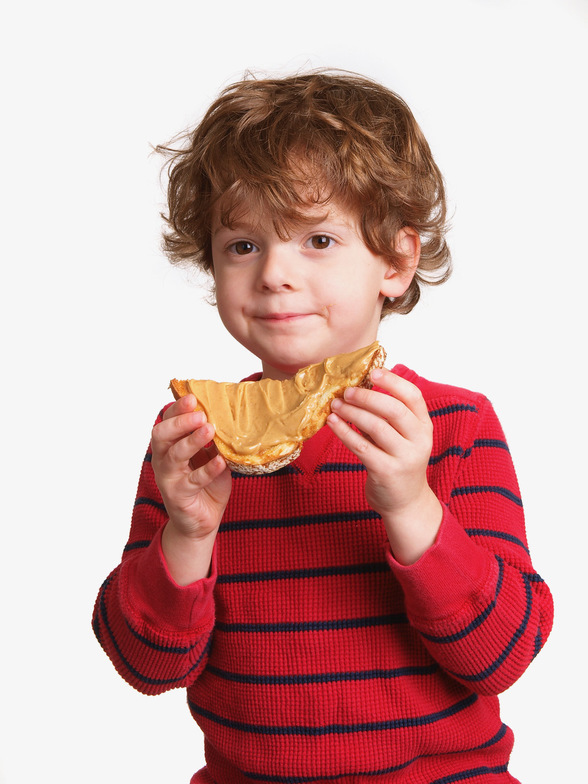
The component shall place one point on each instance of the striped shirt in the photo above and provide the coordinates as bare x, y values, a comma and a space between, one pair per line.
309, 654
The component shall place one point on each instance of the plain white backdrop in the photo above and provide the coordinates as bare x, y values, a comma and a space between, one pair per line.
95, 321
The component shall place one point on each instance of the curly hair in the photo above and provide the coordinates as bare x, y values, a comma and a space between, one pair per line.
280, 145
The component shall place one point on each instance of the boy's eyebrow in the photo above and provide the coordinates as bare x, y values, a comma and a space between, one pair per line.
237, 226
241, 225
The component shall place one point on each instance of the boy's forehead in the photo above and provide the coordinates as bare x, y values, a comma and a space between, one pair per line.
301, 192
240, 215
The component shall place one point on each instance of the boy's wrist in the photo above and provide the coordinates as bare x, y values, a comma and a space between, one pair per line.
414, 529
188, 558
151, 595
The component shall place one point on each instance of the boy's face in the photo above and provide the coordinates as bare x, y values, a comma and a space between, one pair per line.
295, 302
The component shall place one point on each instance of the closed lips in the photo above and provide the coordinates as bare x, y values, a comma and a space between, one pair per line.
283, 316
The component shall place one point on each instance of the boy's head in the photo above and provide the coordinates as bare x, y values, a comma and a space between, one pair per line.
276, 147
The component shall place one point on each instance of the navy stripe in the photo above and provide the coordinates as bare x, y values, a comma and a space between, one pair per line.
138, 545
287, 469
337, 729
98, 612
452, 409
473, 489
303, 520
126, 662
459, 451
332, 777
491, 669
177, 649
461, 776
359, 467
141, 501
340, 468
495, 739
494, 443
533, 577
148, 457
451, 452
479, 620
497, 535
313, 626
302, 574
471, 773
324, 677
381, 772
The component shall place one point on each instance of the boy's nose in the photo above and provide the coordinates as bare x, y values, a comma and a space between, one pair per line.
277, 270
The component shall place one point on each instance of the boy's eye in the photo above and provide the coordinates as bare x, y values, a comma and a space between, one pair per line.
320, 241
242, 247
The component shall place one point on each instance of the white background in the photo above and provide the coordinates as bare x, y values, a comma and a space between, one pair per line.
95, 321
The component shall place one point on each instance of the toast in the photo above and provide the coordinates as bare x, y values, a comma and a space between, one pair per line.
262, 425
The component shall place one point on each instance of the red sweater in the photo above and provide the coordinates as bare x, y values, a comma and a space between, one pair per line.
310, 654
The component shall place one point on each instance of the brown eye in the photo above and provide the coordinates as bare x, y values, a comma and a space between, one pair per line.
243, 247
320, 242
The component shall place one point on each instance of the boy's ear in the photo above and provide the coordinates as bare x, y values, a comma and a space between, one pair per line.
407, 244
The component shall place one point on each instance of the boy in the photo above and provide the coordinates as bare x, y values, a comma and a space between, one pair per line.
353, 616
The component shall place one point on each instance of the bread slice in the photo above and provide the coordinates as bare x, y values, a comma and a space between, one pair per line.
262, 425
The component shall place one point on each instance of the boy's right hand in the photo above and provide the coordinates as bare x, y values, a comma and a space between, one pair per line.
195, 485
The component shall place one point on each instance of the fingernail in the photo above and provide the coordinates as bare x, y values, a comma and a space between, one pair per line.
198, 418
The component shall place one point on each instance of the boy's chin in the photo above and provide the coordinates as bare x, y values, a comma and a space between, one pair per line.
285, 360
285, 366
281, 371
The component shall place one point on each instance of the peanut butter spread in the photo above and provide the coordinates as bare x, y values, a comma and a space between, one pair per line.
253, 416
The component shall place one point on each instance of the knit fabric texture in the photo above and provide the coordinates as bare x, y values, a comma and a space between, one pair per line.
309, 654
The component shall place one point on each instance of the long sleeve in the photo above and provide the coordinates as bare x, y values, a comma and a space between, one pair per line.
156, 633
481, 609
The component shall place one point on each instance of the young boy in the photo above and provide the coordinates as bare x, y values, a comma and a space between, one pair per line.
353, 616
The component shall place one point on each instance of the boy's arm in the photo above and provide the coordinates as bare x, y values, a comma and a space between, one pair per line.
155, 631
473, 594
482, 610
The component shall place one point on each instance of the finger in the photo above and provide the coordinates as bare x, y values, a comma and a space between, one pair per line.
377, 425
192, 445
358, 403
169, 431
181, 406
366, 451
403, 390
205, 474
207, 453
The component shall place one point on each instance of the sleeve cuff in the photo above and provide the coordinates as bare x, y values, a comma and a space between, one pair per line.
155, 598
452, 574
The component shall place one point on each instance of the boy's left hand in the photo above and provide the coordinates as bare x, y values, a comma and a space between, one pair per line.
394, 443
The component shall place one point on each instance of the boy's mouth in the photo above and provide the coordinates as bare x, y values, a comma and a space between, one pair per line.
282, 316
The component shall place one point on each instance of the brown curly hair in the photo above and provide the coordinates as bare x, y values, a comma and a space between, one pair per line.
280, 145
